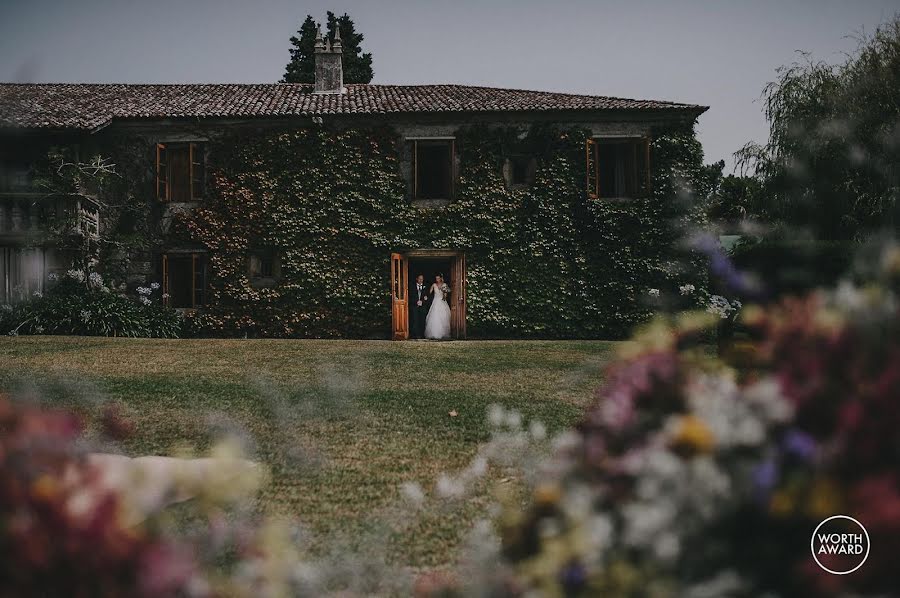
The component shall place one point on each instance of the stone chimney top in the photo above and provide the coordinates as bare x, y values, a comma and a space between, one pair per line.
329, 67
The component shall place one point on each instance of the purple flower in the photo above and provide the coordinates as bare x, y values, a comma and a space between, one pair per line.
573, 577
723, 268
799, 444
764, 479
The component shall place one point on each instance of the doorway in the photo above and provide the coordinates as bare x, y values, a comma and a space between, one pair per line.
428, 262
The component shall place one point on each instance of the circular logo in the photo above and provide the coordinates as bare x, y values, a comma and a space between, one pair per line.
840, 544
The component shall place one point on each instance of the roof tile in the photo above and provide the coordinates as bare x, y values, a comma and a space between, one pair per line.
92, 105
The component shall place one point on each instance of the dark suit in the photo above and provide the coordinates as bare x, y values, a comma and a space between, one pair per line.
417, 328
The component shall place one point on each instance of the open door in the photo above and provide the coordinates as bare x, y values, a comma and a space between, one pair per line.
458, 296
399, 297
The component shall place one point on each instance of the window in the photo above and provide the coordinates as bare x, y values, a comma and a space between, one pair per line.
432, 166
618, 167
15, 176
518, 170
180, 171
22, 272
264, 266
184, 280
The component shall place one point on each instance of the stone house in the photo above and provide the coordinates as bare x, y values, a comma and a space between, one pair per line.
176, 134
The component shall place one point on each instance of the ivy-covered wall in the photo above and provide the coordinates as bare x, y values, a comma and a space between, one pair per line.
544, 261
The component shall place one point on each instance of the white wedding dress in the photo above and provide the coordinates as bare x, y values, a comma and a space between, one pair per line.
437, 322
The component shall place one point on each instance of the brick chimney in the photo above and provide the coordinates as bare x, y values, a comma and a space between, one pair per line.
329, 69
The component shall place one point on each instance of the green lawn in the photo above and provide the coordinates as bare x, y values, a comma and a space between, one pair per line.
341, 424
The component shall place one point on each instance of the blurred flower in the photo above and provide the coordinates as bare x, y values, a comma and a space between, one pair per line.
691, 436
114, 424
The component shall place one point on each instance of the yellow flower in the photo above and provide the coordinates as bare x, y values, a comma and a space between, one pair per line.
823, 499
45, 487
693, 436
782, 503
547, 494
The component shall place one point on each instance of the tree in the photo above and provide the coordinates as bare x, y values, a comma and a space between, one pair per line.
302, 66
357, 65
830, 163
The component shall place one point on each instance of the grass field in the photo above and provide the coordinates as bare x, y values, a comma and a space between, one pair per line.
341, 424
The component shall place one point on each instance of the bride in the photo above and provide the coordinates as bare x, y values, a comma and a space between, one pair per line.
437, 322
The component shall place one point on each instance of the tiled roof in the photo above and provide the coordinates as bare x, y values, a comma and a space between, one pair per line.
88, 106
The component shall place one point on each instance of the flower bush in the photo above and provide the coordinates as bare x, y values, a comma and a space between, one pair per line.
694, 475
79, 303
61, 532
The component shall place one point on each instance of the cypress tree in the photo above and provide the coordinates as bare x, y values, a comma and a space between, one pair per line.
302, 66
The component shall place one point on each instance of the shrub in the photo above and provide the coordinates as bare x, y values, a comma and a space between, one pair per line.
795, 266
85, 306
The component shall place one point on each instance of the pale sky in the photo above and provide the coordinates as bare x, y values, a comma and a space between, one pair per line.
717, 53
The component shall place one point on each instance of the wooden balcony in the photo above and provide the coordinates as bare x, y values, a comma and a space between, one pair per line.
30, 217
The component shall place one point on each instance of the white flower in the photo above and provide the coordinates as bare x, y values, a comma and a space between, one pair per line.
667, 547
143, 291
720, 306
76, 275
85, 315
496, 415
654, 292
765, 398
687, 289
145, 300
38, 294
478, 467
412, 492
165, 295
154, 285
447, 487
514, 420
53, 277
95, 279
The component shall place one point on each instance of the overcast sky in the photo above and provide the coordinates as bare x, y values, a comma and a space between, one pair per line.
718, 53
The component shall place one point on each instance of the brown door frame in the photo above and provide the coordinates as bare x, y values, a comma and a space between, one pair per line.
399, 299
457, 283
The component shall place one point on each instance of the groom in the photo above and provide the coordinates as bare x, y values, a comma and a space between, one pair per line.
421, 301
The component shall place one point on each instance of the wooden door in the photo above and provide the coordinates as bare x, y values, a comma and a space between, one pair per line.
458, 296
399, 297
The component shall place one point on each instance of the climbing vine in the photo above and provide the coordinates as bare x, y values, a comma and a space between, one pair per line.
542, 261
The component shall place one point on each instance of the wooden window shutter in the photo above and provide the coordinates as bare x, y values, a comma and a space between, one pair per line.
162, 173
592, 168
198, 278
642, 154
415, 169
452, 169
198, 171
